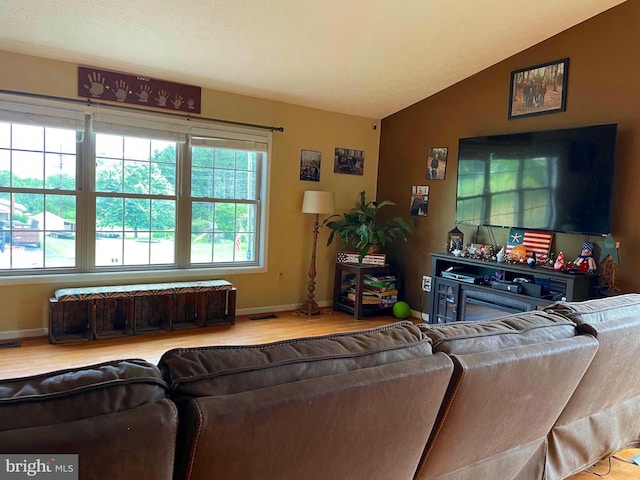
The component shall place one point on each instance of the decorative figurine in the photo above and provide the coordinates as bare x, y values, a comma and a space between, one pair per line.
458, 250
500, 255
531, 261
558, 266
585, 261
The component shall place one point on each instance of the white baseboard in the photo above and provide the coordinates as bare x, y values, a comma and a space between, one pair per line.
278, 308
32, 333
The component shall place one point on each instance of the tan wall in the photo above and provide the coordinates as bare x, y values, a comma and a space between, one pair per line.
24, 306
604, 87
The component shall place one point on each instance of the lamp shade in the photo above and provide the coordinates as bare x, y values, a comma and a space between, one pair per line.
318, 202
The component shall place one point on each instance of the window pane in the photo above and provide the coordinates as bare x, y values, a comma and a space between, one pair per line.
109, 176
27, 137
136, 249
136, 177
109, 215
60, 171
202, 182
28, 169
223, 245
163, 215
137, 214
137, 148
162, 249
38, 229
202, 228
231, 235
59, 229
224, 158
202, 157
5, 168
60, 141
5, 135
164, 158
109, 146
224, 184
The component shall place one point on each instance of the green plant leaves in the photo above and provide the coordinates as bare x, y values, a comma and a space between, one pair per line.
361, 228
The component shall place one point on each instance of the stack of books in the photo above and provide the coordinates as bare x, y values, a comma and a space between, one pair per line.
379, 291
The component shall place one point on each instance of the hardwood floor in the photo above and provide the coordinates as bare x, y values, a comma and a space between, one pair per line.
38, 355
621, 468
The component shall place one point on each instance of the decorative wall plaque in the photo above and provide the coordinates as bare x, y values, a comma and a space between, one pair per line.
98, 84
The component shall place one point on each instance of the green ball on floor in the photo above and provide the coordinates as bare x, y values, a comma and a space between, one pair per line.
401, 310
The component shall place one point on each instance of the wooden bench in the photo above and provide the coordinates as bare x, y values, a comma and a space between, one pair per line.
91, 313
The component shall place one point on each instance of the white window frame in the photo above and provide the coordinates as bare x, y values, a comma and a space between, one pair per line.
15, 108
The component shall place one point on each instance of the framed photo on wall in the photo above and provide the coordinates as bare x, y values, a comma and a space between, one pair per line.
436, 163
419, 200
349, 161
310, 165
539, 90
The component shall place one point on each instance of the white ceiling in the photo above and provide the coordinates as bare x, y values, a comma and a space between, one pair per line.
363, 57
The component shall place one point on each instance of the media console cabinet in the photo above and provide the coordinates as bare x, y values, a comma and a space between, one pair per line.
92, 313
462, 288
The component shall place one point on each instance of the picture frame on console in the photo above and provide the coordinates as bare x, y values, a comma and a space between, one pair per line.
539, 90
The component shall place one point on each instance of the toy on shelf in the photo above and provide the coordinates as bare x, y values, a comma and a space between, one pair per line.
559, 265
585, 261
531, 261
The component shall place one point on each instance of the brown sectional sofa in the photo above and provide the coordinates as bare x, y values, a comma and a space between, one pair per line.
539, 395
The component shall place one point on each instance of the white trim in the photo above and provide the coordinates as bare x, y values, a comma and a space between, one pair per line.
32, 333
137, 275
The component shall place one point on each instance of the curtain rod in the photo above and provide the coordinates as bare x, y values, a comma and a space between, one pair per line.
89, 102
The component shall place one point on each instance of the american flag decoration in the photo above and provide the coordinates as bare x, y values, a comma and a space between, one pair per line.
533, 241
370, 259
238, 239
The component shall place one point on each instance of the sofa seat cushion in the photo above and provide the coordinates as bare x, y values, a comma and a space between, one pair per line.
222, 370
516, 330
79, 393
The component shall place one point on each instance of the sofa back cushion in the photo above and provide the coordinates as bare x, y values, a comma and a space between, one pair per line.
500, 406
222, 370
602, 415
79, 393
593, 315
526, 328
364, 424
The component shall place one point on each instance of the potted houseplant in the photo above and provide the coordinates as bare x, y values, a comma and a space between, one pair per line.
362, 228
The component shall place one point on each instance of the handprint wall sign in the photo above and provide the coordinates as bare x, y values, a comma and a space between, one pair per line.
95, 83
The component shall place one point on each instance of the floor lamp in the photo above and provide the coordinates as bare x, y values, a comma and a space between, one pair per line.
317, 203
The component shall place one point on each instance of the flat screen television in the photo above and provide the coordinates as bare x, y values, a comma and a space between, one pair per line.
554, 180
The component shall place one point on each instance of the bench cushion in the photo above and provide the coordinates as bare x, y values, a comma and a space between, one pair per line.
143, 289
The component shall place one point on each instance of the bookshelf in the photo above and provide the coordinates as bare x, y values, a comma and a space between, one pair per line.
364, 290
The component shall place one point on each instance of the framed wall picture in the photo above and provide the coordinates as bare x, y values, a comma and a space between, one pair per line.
348, 161
419, 200
436, 163
310, 165
539, 90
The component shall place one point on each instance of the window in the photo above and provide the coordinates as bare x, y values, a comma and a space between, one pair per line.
135, 184
119, 192
224, 200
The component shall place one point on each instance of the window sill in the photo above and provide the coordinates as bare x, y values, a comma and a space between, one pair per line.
130, 276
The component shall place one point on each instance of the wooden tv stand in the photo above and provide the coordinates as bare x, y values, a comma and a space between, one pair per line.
468, 295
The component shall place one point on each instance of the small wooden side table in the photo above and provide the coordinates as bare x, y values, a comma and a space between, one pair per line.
356, 307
